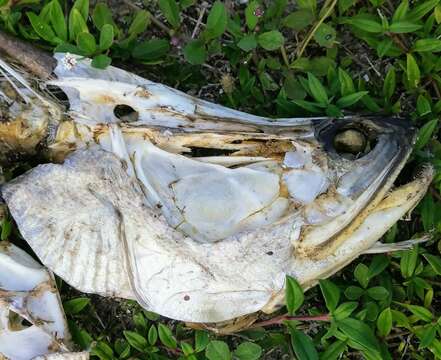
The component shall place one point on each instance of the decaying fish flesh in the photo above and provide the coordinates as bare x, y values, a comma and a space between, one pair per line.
32, 322
198, 211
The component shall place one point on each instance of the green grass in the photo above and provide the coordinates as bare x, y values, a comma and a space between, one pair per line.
273, 58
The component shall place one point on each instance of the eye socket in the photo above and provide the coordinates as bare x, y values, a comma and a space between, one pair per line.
350, 142
126, 113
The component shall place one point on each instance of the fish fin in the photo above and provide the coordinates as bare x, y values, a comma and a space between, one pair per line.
380, 248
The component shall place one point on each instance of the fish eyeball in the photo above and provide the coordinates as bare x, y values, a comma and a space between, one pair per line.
350, 141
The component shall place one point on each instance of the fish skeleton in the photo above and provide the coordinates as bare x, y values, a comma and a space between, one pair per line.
195, 210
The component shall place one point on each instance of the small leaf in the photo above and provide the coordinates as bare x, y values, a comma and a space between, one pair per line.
201, 340
86, 43
102, 15
334, 351
389, 83
351, 99
384, 322
77, 25
251, 12
136, 340
248, 42
41, 28
170, 9
419, 311
101, 61
423, 106
57, 20
325, 35
74, 306
424, 45
378, 264
434, 261
106, 37
345, 310
151, 50
359, 333
331, 293
354, 292
103, 351
422, 9
378, 293
294, 295
413, 71
310, 5
367, 25
317, 89
425, 133
271, 40
195, 52
427, 337
217, 350
402, 27
139, 23
216, 22
152, 335
361, 273
346, 83
248, 351
83, 7
303, 346
298, 20
401, 11
166, 336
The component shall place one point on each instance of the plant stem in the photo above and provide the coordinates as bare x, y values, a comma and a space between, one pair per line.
280, 319
284, 56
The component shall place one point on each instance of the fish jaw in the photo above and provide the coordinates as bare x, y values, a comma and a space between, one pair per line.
356, 240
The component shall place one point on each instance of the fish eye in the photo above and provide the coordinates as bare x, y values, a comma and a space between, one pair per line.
350, 142
126, 113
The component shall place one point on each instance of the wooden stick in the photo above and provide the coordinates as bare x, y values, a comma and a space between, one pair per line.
33, 59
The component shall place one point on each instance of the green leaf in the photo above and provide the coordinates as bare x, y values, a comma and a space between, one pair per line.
217, 350
271, 40
325, 35
102, 15
346, 83
378, 264
248, 42
425, 134
378, 293
152, 335
361, 273
423, 106
402, 27
139, 23
351, 99
359, 333
298, 20
248, 351
389, 83
103, 351
186, 349
422, 9
106, 37
201, 340
424, 45
294, 295
86, 43
83, 7
151, 50
195, 52
384, 46
401, 11
307, 105
251, 12
370, 26
419, 311
41, 28
331, 293
434, 261
6, 229
384, 322
216, 22
345, 310
101, 61
318, 91
170, 10
77, 25
57, 20
354, 292
74, 306
166, 336
427, 337
413, 71
303, 346
136, 340
310, 5
334, 351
